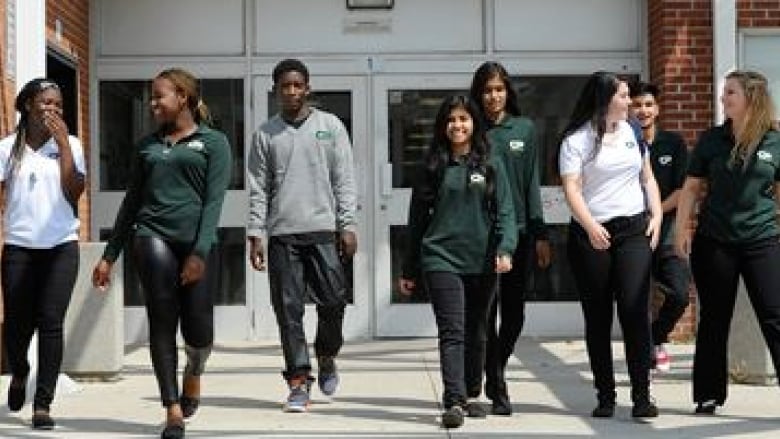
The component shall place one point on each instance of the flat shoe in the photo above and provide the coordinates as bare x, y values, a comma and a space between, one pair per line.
16, 396
188, 405
42, 421
173, 431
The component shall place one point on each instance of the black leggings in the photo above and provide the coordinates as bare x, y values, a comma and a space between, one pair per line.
159, 265
621, 272
510, 305
716, 270
37, 285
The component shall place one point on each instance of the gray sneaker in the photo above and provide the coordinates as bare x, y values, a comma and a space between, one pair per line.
298, 400
327, 377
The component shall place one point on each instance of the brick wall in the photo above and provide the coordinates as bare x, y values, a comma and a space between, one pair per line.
74, 44
758, 13
681, 64
7, 86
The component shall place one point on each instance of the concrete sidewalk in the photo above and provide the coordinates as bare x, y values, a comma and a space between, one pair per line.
391, 389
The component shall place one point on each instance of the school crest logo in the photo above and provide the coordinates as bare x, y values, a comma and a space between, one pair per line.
764, 155
516, 145
196, 145
323, 135
665, 160
476, 179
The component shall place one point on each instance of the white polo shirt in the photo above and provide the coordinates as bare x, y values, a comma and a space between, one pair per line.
610, 180
37, 214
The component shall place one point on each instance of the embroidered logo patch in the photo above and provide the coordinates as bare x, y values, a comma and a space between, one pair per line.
764, 155
196, 145
516, 145
630, 144
665, 160
323, 135
476, 179
53, 155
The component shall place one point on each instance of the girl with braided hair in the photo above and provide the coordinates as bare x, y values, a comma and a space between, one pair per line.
42, 173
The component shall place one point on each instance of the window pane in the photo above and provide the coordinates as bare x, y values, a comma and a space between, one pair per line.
125, 119
227, 281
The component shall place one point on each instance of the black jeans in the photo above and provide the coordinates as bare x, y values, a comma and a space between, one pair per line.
168, 303
621, 272
671, 274
716, 270
460, 304
510, 303
37, 286
298, 268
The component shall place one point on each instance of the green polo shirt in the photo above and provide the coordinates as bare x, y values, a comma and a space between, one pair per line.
513, 140
740, 205
176, 192
458, 234
669, 159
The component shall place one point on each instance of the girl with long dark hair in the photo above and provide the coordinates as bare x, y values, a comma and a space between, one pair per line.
609, 186
42, 172
512, 140
461, 233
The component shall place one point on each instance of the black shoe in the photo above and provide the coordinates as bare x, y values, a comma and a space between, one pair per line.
644, 409
16, 396
476, 409
173, 431
605, 409
188, 405
42, 421
501, 406
706, 407
452, 417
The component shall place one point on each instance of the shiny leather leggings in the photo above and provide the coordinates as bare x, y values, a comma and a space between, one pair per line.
159, 265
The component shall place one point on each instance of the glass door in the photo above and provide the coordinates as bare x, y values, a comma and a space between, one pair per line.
405, 108
124, 119
346, 97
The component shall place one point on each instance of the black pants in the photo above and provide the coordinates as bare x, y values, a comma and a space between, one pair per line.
716, 270
460, 304
37, 286
297, 267
671, 274
168, 302
510, 303
621, 272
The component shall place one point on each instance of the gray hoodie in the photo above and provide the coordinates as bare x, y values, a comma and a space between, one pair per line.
301, 180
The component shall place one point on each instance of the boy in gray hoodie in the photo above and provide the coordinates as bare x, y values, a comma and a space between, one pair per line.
303, 201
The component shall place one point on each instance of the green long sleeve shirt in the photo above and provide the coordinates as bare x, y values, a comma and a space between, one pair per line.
176, 192
513, 140
458, 234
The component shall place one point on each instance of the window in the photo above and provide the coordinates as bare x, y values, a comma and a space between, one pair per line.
125, 119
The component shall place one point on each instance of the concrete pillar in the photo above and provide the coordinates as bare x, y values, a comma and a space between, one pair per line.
749, 360
94, 324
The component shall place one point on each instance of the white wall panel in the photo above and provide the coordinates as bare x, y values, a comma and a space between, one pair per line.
171, 27
756, 50
316, 26
568, 25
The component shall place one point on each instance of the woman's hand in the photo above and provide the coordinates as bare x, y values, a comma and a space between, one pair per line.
406, 286
682, 242
101, 275
193, 270
56, 126
599, 236
653, 230
503, 263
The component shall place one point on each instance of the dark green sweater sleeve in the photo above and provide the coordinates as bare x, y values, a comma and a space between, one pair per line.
217, 181
536, 226
505, 213
419, 218
127, 211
